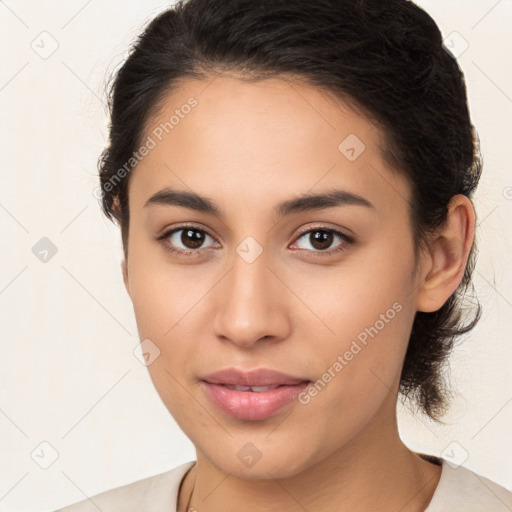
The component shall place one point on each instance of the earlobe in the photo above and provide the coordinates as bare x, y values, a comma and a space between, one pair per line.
449, 253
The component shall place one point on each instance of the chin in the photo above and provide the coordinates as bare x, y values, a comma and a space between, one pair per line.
250, 463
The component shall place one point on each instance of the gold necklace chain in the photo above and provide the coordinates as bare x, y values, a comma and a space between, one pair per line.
191, 492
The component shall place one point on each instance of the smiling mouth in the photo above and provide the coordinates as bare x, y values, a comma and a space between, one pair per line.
252, 402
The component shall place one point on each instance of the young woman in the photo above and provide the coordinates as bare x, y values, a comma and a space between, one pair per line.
293, 183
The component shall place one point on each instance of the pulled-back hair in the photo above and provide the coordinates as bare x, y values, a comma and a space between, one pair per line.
384, 57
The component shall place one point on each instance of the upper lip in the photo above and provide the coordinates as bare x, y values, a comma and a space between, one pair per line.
257, 377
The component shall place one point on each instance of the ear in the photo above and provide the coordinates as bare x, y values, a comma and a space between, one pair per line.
124, 270
447, 256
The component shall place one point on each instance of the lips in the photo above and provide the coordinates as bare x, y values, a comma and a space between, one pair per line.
253, 379
253, 395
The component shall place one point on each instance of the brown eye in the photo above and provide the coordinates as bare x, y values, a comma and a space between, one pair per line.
320, 241
192, 238
185, 239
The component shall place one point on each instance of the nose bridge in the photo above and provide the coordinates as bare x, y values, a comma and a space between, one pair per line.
251, 307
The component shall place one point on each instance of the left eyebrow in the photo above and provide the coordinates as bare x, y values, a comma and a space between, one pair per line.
308, 202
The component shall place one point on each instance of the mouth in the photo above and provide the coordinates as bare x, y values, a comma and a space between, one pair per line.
255, 389
253, 379
255, 395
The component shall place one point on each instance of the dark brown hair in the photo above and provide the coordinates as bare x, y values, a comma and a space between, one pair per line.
385, 57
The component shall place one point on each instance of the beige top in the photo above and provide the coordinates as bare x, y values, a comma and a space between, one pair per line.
459, 490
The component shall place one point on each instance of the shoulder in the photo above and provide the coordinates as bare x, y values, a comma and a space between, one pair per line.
159, 491
462, 490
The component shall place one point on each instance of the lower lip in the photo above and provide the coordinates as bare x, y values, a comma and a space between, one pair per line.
252, 405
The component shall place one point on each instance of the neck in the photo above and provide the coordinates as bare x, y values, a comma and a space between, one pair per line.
376, 471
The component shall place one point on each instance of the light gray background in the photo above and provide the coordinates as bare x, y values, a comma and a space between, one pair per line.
69, 374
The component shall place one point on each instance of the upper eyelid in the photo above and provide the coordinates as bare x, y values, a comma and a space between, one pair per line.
171, 231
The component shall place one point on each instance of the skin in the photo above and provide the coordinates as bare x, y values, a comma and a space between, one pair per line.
248, 147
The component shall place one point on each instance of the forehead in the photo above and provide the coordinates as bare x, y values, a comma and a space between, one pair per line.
262, 141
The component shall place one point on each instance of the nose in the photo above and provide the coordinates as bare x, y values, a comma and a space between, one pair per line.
253, 303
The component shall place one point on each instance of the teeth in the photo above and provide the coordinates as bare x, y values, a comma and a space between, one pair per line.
251, 388
263, 388
238, 388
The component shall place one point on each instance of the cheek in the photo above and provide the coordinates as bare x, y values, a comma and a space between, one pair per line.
167, 300
369, 287
163, 305
364, 311
360, 364
162, 294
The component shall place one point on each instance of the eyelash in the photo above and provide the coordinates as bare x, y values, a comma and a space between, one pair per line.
346, 241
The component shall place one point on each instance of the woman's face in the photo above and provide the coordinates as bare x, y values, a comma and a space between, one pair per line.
270, 287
